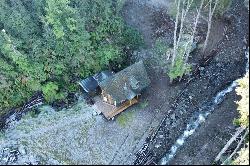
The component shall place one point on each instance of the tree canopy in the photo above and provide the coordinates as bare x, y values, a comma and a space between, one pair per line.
48, 45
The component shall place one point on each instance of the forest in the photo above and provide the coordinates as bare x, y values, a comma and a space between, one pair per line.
47, 46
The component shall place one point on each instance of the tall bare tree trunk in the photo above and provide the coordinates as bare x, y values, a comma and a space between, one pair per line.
175, 33
186, 4
190, 42
183, 16
236, 149
194, 30
184, 8
210, 16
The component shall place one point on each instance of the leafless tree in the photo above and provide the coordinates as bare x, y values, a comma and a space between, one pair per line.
234, 137
175, 30
237, 148
186, 4
183, 16
183, 7
194, 29
210, 16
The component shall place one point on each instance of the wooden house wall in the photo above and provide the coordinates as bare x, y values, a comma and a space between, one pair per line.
108, 98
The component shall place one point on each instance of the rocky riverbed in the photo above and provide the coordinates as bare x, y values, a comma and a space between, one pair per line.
228, 64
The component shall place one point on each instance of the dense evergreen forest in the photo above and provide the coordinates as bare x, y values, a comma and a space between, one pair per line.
48, 45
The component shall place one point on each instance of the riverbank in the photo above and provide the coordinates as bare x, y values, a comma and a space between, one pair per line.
227, 65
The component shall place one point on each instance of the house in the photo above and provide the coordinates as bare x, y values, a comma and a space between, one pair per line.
122, 89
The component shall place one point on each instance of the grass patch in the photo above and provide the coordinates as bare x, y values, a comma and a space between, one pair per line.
144, 104
124, 118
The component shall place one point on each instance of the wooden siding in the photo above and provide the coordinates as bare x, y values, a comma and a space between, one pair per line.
107, 98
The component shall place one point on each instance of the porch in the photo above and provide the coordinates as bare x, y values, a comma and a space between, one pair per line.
110, 111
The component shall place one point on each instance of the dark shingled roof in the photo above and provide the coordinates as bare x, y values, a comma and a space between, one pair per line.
126, 84
101, 76
89, 84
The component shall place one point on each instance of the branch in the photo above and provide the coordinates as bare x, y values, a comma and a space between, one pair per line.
237, 133
215, 5
236, 149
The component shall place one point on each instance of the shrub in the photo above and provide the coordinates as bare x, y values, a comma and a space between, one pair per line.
243, 103
179, 69
222, 7
144, 104
124, 118
50, 91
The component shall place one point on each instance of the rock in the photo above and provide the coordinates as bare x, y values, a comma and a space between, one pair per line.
95, 113
172, 117
167, 122
22, 150
53, 162
33, 160
180, 112
157, 146
169, 111
201, 68
161, 136
174, 124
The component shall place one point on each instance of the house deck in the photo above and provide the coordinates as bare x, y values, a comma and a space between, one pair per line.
110, 111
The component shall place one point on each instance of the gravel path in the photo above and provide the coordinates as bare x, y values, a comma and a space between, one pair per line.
77, 136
